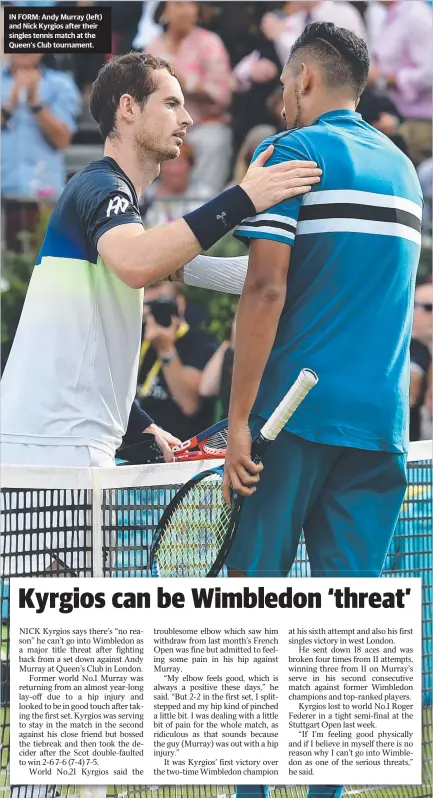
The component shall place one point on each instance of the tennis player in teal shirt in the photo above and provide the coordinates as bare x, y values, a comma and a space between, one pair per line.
330, 287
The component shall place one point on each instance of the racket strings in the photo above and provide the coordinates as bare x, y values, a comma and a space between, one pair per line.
217, 442
194, 531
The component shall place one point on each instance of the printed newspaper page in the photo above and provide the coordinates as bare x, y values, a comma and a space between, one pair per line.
228, 688
143, 384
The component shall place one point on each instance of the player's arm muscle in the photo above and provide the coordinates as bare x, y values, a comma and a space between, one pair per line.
258, 315
140, 257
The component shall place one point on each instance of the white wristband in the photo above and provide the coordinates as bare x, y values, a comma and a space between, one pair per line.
217, 274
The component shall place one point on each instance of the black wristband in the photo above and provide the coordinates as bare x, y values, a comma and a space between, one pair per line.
35, 109
213, 220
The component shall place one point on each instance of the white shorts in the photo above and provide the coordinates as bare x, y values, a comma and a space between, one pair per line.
32, 454
51, 536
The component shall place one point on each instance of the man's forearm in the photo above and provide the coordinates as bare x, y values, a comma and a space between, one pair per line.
182, 385
140, 258
210, 381
152, 255
256, 326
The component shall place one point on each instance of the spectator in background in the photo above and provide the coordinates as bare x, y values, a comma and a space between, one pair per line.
420, 358
202, 67
374, 15
283, 30
275, 106
252, 140
237, 23
216, 379
402, 67
380, 112
172, 359
173, 195
125, 18
147, 29
39, 108
257, 75
425, 174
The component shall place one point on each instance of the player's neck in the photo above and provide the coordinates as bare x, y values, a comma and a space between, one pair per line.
140, 173
330, 104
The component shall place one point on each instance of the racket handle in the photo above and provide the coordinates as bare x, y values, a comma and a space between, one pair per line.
307, 379
259, 446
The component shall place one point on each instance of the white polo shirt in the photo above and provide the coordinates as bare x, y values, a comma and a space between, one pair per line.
70, 378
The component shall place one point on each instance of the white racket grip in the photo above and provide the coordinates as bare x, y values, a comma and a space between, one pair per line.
295, 395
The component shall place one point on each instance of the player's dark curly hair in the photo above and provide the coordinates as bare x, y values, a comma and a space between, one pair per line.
132, 73
342, 56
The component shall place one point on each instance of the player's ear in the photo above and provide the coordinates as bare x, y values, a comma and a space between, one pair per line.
305, 79
127, 107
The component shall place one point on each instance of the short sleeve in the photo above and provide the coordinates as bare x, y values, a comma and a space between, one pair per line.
280, 222
105, 201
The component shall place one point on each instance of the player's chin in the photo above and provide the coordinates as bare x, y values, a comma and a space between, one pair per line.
173, 150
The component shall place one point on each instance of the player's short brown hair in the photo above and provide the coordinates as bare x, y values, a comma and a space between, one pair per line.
132, 73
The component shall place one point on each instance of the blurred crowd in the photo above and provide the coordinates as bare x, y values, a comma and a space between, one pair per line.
228, 58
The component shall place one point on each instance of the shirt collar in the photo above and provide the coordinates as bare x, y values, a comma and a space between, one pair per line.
114, 165
340, 113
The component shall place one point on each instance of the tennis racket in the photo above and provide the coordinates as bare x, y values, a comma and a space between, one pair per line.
210, 444
196, 531
142, 452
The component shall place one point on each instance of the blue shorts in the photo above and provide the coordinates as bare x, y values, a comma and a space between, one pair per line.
347, 501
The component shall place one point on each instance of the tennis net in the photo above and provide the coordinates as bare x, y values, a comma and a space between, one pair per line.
79, 522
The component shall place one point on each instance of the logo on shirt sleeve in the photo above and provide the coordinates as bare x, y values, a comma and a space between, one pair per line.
117, 205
